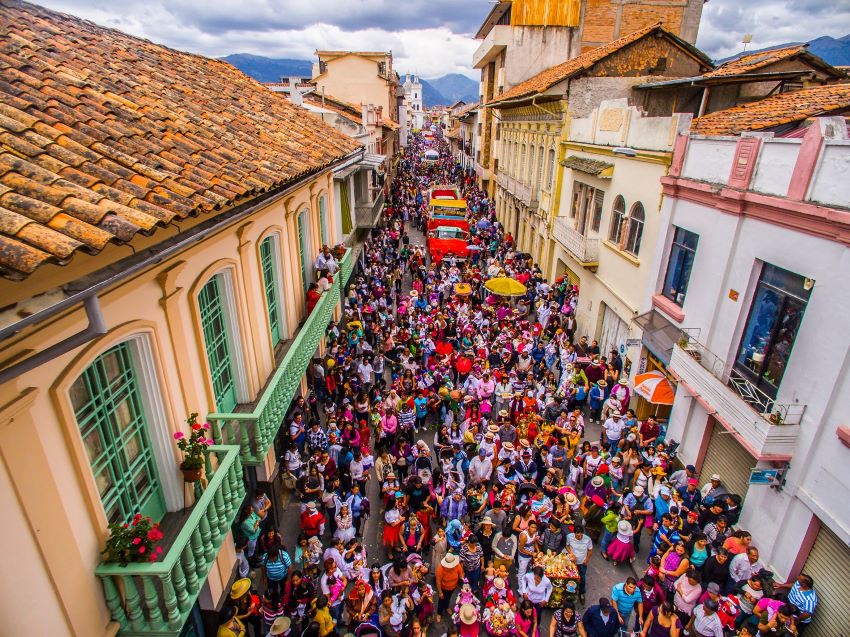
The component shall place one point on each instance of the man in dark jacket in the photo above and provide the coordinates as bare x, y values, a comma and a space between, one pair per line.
600, 620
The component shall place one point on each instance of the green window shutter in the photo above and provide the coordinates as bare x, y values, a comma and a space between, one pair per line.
302, 247
345, 205
214, 325
108, 409
270, 284
323, 219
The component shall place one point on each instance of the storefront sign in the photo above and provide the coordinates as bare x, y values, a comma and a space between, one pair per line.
765, 476
634, 342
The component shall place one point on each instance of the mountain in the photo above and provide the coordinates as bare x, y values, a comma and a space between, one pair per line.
836, 51
266, 69
431, 96
454, 87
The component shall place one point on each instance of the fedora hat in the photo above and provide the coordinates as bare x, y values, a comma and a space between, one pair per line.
280, 626
624, 528
508, 446
624, 381
450, 560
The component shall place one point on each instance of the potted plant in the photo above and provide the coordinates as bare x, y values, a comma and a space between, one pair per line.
133, 542
338, 251
776, 418
194, 448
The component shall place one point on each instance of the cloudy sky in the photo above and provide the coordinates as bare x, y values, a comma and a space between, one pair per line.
429, 37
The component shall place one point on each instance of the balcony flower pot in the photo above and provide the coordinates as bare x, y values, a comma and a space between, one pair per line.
194, 448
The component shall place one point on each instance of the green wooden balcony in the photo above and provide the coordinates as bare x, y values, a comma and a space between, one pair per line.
255, 430
155, 598
346, 266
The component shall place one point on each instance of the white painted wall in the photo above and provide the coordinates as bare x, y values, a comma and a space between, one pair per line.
775, 166
709, 159
830, 185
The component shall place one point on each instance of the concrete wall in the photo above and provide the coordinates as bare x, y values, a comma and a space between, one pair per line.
535, 49
355, 79
54, 519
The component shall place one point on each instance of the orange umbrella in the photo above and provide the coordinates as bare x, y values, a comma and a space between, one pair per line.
654, 388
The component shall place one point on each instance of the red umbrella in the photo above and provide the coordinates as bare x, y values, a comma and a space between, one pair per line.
444, 348
463, 365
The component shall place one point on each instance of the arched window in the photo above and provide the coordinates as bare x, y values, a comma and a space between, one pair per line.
521, 167
323, 219
531, 155
618, 215
551, 169
635, 229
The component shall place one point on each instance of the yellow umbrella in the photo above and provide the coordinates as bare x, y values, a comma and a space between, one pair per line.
505, 286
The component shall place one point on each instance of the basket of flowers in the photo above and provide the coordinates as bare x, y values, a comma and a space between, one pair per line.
499, 620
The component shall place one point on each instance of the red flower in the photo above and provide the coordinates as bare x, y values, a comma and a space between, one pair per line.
137, 540
196, 426
142, 549
154, 535
158, 550
137, 518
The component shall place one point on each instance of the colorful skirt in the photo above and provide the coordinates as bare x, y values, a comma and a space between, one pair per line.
392, 535
620, 550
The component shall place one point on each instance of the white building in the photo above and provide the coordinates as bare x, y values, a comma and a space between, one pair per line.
413, 101
753, 268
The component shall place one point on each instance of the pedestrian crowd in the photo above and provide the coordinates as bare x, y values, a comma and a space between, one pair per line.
469, 412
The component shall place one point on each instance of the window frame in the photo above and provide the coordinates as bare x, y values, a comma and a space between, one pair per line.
618, 219
679, 248
634, 229
271, 275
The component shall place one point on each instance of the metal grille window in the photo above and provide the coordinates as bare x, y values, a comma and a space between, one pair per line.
587, 207
108, 408
637, 218
271, 286
216, 339
679, 265
775, 316
618, 216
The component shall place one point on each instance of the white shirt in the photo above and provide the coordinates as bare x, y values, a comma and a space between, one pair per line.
579, 547
614, 428
536, 593
365, 372
479, 469
740, 568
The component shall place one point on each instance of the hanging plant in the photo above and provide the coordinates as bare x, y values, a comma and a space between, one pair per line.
133, 542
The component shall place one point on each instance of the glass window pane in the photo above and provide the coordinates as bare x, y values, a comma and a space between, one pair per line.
132, 448
80, 395
93, 443
754, 345
789, 321
104, 480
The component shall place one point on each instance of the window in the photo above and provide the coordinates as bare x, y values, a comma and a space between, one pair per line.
304, 247
539, 176
587, 207
521, 168
270, 263
216, 328
679, 265
108, 407
323, 219
551, 169
618, 215
635, 229
775, 316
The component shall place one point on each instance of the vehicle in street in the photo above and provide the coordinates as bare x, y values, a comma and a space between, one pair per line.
444, 240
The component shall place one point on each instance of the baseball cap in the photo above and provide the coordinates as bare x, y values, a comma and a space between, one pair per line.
691, 468
604, 603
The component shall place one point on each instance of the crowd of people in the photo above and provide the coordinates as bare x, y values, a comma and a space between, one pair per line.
471, 413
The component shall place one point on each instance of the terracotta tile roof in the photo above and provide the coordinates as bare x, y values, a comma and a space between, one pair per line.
344, 109
784, 108
464, 110
388, 123
584, 62
750, 62
103, 136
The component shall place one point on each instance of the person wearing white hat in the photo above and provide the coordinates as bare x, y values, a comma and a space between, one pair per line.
638, 505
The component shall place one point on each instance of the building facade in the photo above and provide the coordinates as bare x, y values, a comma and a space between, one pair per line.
157, 244
413, 100
751, 272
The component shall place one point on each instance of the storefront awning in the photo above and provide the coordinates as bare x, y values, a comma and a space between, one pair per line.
373, 160
659, 334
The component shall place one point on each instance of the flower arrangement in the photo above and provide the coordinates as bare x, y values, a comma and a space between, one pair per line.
133, 542
195, 446
338, 251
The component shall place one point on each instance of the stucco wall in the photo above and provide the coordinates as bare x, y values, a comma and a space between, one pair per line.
355, 79
59, 534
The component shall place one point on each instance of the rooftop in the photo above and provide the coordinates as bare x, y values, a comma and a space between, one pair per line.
749, 62
777, 110
104, 136
584, 62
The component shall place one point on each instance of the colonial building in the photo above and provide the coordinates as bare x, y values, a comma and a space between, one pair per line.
751, 298
463, 134
521, 38
413, 101
534, 118
160, 213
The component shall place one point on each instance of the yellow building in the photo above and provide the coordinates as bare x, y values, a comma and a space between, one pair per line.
159, 217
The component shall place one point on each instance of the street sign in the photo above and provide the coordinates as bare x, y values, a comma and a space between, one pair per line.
765, 476
633, 342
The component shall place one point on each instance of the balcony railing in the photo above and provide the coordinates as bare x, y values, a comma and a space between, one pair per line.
368, 214
255, 431
346, 267
155, 598
769, 427
585, 251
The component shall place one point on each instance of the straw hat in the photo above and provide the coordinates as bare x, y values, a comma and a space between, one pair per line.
598, 482
624, 528
488, 521
624, 381
467, 613
493, 429
450, 560
280, 626
508, 446
499, 583
571, 498
602, 384
503, 413
240, 587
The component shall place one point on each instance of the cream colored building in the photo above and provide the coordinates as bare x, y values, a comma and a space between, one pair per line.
360, 77
158, 231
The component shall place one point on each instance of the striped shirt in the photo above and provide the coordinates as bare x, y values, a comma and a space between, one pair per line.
806, 601
406, 419
707, 625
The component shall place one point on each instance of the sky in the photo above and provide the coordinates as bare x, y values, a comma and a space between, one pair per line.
428, 37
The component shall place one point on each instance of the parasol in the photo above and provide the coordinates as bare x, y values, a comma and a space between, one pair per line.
654, 388
505, 286
463, 289
443, 348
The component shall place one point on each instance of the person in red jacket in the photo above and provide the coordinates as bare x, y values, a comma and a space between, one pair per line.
312, 521
313, 296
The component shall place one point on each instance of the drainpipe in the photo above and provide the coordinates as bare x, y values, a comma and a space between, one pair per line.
96, 327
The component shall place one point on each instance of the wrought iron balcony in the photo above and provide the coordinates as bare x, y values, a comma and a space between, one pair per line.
767, 427
255, 431
583, 249
155, 598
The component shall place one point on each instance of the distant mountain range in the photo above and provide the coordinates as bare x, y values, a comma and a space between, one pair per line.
835, 51
444, 90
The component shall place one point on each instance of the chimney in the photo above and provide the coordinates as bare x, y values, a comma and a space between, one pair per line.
294, 94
